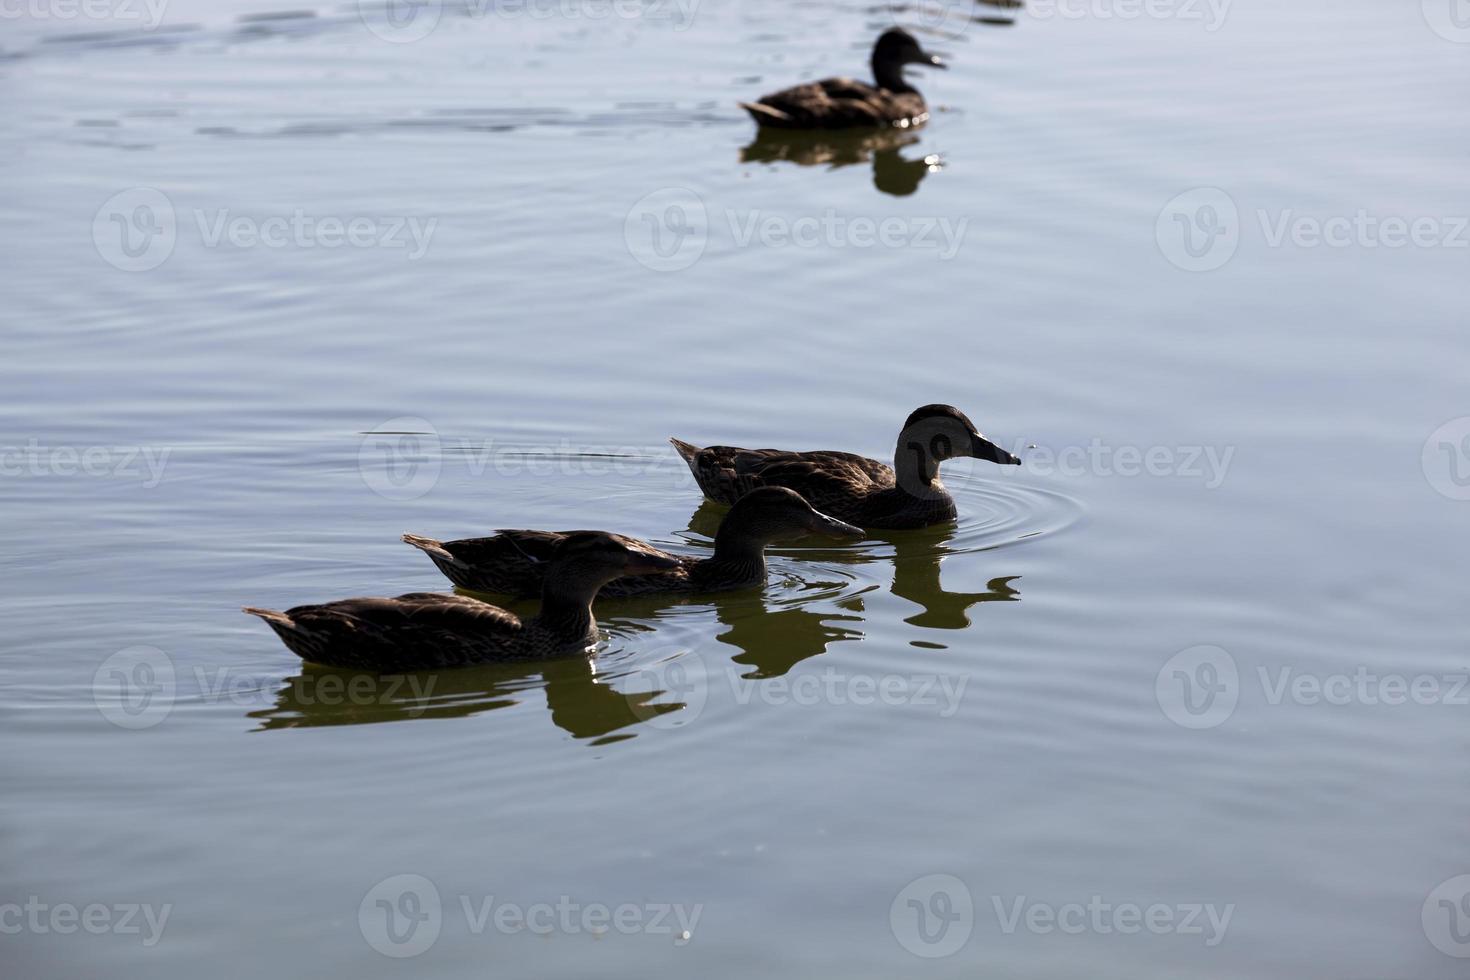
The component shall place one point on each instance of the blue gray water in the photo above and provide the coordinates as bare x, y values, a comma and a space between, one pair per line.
1182, 695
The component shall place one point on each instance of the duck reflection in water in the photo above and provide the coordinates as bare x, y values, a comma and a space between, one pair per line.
892, 172
916, 559
579, 702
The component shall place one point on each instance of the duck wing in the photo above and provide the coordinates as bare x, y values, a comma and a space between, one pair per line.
832, 103
413, 631
830, 481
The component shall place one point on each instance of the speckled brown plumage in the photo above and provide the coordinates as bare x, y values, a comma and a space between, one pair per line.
853, 488
428, 630
514, 562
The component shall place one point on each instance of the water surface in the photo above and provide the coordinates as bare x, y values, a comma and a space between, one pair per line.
569, 247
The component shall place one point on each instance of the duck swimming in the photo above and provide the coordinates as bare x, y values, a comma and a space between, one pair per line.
853, 488
516, 562
844, 103
427, 630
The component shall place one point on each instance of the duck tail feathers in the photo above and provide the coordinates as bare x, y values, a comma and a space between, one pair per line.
686, 450
766, 115
271, 616
434, 549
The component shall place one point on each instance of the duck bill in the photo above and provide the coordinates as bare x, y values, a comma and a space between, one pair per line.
832, 527
983, 448
933, 61
648, 564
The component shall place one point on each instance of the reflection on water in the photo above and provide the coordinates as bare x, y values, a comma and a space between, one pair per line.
578, 702
772, 640
893, 173
916, 560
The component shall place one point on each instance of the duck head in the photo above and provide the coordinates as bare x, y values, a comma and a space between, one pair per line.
934, 434
895, 49
768, 514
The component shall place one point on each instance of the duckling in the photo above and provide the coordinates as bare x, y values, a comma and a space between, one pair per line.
515, 562
853, 488
844, 103
427, 630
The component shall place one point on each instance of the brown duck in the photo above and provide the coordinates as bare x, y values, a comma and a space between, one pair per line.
427, 630
852, 488
845, 103
515, 562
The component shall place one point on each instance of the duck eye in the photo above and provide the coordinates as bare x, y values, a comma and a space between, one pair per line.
940, 447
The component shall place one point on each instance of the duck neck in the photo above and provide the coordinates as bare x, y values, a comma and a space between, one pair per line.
740, 545
566, 604
889, 75
917, 470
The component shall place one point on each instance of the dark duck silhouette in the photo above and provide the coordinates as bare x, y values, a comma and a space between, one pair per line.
427, 630
845, 103
853, 488
516, 562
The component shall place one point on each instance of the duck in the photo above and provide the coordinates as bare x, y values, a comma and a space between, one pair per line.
845, 103
430, 630
851, 488
515, 562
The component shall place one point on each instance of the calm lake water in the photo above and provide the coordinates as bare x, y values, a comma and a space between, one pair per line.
1181, 696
